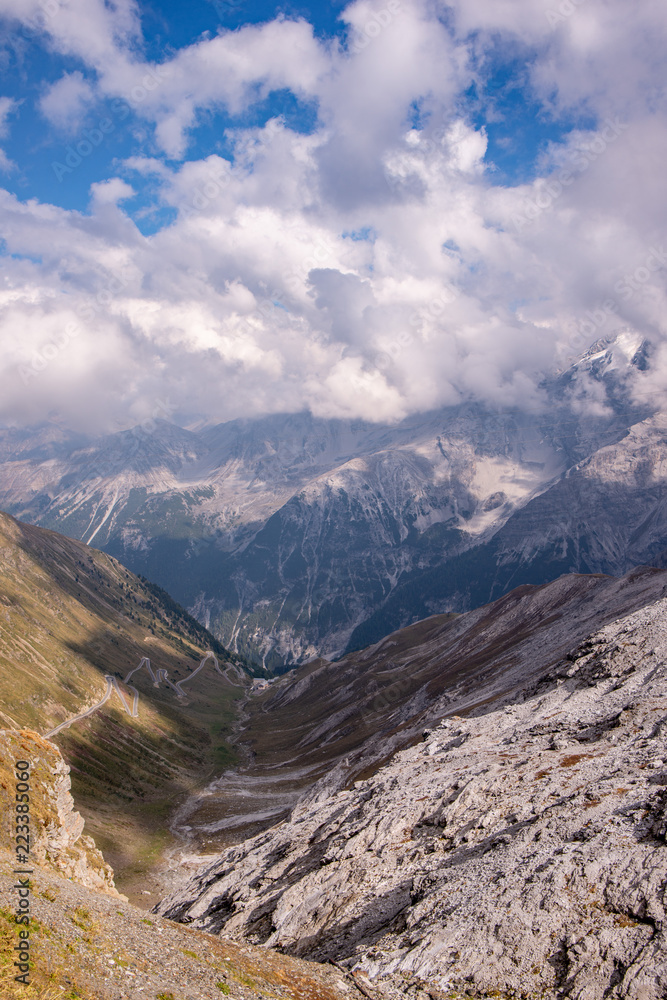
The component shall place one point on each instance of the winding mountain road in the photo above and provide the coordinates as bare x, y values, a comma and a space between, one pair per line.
159, 677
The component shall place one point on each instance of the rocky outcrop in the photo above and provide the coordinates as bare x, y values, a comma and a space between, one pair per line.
341, 720
519, 849
57, 840
92, 946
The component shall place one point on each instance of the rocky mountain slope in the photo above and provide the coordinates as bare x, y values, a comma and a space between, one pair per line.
56, 841
519, 849
71, 616
88, 942
285, 535
340, 721
473, 807
607, 513
91, 947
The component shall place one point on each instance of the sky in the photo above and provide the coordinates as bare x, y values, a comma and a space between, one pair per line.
229, 208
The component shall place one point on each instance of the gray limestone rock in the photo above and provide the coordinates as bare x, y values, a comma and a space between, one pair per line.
521, 849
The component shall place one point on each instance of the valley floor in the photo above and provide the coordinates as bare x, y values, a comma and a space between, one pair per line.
474, 807
519, 849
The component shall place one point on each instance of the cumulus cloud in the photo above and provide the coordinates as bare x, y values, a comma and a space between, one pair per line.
372, 268
92, 30
65, 102
110, 192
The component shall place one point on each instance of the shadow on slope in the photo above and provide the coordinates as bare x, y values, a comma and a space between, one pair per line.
129, 773
583, 524
70, 616
338, 722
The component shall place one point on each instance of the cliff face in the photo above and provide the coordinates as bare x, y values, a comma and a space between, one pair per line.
521, 848
57, 840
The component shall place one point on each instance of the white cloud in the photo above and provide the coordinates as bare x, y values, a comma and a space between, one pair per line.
370, 269
110, 192
92, 30
604, 55
231, 70
7, 105
65, 102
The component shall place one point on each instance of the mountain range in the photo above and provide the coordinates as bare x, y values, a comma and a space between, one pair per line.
291, 536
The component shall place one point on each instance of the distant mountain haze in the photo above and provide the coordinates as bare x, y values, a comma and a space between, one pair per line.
292, 536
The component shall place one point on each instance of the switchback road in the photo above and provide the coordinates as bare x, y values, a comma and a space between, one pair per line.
159, 677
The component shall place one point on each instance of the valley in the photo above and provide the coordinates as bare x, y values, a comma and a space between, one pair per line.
327, 725
70, 617
516, 849
392, 812
291, 537
88, 942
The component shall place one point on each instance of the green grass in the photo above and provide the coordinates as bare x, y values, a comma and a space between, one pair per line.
225, 757
82, 919
71, 615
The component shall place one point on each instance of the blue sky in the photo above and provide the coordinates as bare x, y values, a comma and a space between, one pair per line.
501, 100
166, 26
180, 184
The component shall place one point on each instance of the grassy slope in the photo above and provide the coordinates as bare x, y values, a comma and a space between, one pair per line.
87, 946
68, 616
